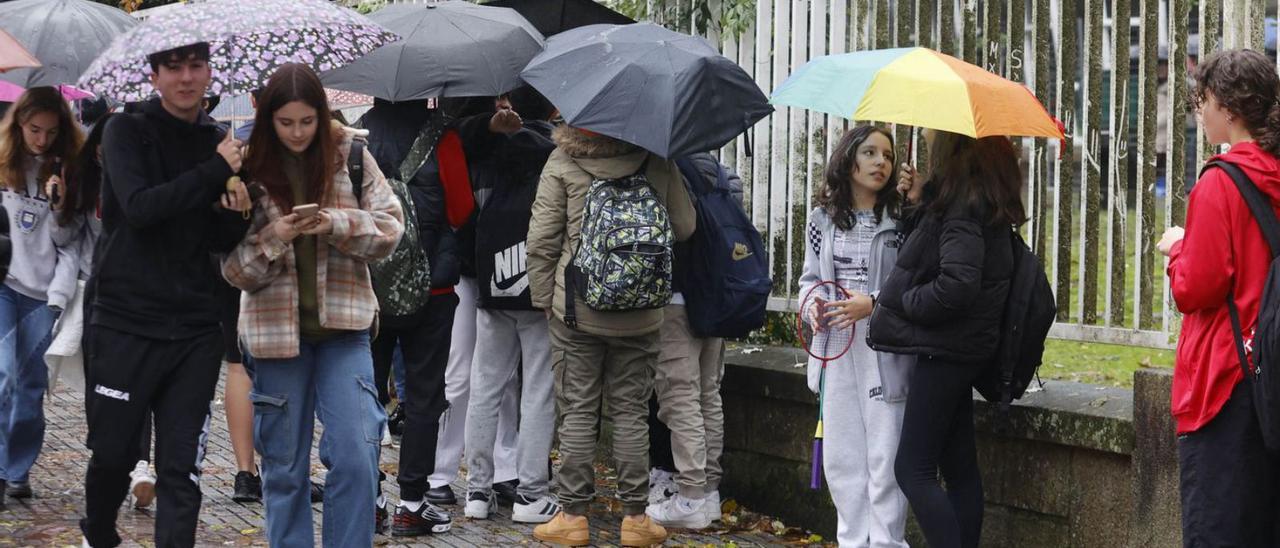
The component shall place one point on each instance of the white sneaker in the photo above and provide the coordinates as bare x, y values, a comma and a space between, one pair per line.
142, 484
711, 505
539, 510
681, 513
662, 485
480, 505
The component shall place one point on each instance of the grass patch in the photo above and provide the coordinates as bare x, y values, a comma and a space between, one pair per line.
1097, 363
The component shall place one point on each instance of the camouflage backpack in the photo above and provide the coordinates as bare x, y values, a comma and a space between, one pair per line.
623, 260
402, 280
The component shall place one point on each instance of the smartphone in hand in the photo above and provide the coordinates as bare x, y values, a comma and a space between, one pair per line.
304, 211
55, 194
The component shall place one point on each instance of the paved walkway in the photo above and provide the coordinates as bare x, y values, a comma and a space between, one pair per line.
50, 519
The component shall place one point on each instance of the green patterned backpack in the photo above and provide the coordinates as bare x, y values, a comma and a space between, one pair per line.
402, 280
623, 259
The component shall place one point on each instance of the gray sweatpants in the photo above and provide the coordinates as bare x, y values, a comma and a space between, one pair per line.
618, 370
687, 382
860, 442
505, 340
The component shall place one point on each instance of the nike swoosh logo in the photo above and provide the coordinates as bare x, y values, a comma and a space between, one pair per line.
509, 288
740, 252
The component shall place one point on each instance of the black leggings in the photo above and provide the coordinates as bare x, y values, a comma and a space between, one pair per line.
937, 434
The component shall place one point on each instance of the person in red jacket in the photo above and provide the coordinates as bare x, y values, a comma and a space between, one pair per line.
1228, 480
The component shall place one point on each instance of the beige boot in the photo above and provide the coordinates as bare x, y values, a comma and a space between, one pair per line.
642, 531
564, 531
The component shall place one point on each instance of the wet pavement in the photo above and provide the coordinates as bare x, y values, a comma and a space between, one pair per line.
50, 518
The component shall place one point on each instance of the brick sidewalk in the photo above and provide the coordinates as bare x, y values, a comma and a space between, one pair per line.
51, 518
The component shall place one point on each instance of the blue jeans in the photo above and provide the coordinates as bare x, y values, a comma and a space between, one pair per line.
334, 381
397, 374
26, 327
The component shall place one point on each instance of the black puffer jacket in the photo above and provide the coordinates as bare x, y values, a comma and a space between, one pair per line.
946, 295
393, 128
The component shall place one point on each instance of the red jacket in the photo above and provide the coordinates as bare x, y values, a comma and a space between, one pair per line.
1223, 248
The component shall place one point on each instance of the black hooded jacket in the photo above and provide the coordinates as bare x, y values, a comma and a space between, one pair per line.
162, 178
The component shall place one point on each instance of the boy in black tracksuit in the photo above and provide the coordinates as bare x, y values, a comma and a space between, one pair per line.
153, 340
423, 336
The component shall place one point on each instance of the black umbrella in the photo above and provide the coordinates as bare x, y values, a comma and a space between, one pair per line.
65, 35
450, 49
553, 17
670, 93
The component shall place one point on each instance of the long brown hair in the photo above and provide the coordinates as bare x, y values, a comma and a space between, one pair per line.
981, 175
13, 150
292, 82
836, 193
1245, 83
84, 177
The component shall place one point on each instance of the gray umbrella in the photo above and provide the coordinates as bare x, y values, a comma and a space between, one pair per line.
670, 93
450, 49
65, 35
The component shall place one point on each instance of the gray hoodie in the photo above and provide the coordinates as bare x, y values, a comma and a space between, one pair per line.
819, 266
45, 264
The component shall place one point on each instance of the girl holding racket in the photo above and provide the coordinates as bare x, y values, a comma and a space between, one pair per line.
852, 245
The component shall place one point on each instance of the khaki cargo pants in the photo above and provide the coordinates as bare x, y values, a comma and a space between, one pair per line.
618, 372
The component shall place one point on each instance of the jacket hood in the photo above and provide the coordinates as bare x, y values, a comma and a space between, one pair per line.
1262, 168
599, 155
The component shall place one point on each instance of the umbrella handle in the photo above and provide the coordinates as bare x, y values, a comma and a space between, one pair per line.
815, 477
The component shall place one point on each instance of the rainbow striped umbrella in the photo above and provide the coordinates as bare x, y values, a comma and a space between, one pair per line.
917, 87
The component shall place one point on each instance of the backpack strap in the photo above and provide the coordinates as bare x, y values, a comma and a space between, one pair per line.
691, 174
1265, 216
355, 169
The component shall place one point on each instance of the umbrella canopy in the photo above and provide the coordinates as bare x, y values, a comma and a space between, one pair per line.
65, 35
917, 87
10, 92
670, 93
13, 55
450, 49
248, 40
240, 108
552, 17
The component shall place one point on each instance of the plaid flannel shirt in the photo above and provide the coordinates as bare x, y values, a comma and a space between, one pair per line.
265, 268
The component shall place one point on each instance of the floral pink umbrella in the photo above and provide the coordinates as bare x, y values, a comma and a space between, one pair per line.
10, 92
248, 40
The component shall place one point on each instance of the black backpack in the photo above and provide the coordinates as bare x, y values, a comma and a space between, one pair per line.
1260, 375
1028, 314
727, 262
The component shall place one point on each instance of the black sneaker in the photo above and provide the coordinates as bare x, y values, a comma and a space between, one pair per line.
429, 519
248, 488
506, 491
441, 495
395, 421
19, 490
381, 518
317, 492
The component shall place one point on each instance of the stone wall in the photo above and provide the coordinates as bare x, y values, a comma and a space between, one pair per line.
1061, 469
